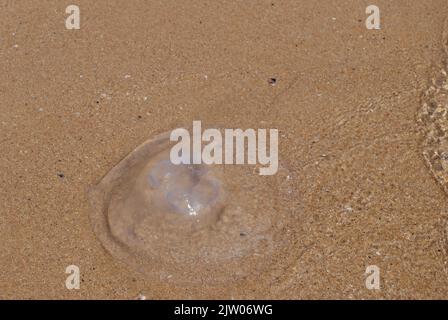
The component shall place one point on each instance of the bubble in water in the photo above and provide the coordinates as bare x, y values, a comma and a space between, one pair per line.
191, 224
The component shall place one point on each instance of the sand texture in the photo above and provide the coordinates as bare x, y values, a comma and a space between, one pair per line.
361, 116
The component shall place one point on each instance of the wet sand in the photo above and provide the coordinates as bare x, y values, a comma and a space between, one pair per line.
75, 102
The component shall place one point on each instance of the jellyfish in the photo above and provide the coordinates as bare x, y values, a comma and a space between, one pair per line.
190, 223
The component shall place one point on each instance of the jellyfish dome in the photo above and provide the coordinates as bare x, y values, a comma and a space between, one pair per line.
190, 223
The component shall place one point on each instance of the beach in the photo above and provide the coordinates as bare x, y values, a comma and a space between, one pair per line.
345, 101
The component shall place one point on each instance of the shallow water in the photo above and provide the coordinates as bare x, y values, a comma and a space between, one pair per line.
433, 118
192, 224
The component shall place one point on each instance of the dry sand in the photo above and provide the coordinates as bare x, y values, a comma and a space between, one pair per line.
75, 102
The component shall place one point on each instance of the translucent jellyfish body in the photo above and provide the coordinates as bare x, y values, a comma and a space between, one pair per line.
191, 224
